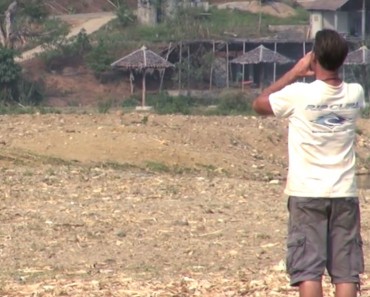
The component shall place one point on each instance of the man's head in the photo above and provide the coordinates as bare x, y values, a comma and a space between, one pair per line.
330, 49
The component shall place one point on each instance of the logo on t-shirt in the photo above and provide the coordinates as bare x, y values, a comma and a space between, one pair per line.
330, 120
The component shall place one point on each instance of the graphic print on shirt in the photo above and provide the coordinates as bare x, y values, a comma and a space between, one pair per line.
330, 120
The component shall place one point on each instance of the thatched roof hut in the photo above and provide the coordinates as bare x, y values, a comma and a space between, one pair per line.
360, 56
261, 54
142, 60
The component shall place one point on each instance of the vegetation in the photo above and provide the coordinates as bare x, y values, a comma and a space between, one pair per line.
216, 24
227, 103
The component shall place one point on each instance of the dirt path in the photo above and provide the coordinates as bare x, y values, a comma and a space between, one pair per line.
90, 22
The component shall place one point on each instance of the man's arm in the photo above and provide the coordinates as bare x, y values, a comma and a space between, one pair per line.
262, 105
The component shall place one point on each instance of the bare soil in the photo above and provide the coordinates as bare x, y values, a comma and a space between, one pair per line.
139, 204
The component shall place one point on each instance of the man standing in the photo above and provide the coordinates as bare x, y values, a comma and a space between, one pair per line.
324, 214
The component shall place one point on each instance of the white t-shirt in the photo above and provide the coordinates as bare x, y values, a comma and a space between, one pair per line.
321, 137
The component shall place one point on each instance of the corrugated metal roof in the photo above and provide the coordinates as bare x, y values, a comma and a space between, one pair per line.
322, 4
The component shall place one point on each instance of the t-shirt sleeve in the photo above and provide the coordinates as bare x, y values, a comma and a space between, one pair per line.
284, 101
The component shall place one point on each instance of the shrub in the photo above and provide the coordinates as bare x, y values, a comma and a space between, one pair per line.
130, 102
234, 103
30, 92
125, 15
99, 59
10, 73
35, 9
165, 104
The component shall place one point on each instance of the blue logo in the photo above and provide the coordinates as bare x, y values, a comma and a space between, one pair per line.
330, 120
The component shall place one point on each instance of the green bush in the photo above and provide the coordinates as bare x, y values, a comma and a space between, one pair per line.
130, 102
165, 104
105, 105
35, 9
232, 103
99, 59
30, 92
10, 74
125, 15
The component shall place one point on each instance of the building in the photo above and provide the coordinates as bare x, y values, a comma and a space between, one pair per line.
346, 16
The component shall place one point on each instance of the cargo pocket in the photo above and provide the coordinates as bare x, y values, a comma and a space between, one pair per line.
357, 256
295, 254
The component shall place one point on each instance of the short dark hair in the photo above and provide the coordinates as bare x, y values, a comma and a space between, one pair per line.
330, 49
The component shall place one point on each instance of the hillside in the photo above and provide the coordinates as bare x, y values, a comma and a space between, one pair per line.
75, 85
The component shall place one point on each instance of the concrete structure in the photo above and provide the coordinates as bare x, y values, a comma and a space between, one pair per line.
147, 12
346, 16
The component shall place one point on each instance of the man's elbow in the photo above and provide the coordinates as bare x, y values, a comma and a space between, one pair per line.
262, 108
256, 107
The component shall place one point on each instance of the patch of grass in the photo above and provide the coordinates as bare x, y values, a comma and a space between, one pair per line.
157, 166
117, 166
366, 112
16, 109
105, 105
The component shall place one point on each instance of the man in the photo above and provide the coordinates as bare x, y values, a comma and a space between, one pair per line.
324, 215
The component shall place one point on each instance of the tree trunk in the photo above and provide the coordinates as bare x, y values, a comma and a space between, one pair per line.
7, 32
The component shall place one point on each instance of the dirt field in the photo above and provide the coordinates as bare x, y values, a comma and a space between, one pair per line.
146, 205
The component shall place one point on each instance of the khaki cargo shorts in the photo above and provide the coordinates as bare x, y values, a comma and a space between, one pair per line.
324, 233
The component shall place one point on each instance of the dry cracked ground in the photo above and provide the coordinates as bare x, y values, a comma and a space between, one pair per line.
147, 205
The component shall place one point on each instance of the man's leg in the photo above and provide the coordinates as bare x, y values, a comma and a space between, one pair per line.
312, 289
345, 255
306, 242
346, 290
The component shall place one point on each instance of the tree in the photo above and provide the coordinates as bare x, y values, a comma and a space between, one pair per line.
7, 32
10, 73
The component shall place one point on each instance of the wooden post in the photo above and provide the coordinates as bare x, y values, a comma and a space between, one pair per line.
164, 69
243, 65
213, 59
227, 64
363, 21
144, 90
260, 18
180, 64
274, 75
188, 84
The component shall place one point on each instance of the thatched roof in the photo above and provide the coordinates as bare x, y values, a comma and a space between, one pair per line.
360, 56
261, 54
142, 59
331, 5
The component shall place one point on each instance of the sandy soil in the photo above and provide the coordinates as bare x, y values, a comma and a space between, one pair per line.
136, 204
145, 205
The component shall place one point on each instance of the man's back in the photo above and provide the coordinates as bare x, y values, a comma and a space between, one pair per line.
321, 135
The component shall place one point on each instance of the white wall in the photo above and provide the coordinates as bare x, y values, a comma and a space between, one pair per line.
315, 23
